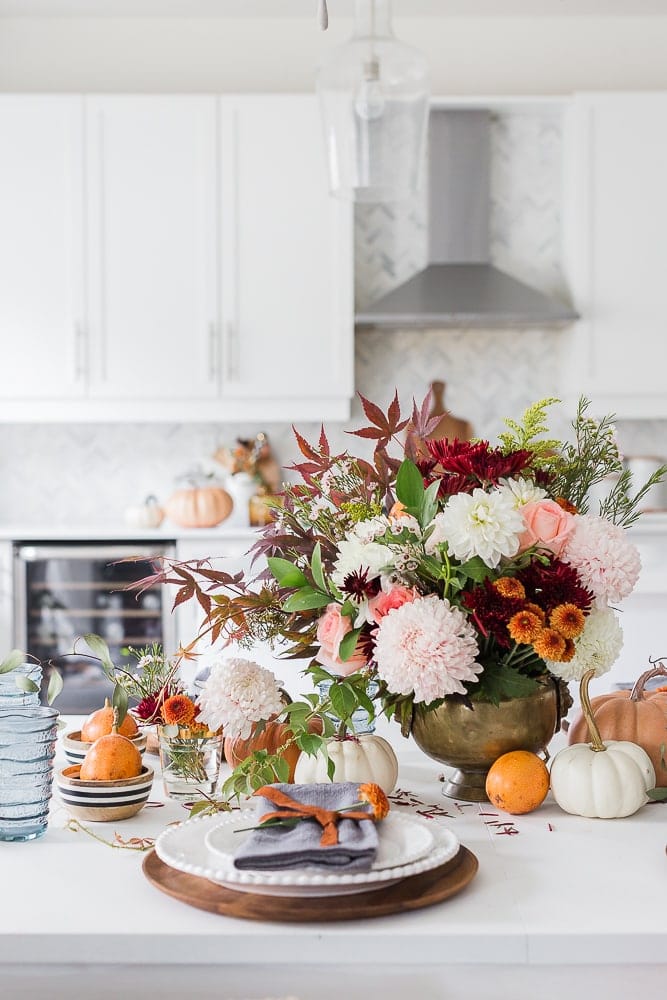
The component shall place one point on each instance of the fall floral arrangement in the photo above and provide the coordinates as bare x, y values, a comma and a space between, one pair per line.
438, 569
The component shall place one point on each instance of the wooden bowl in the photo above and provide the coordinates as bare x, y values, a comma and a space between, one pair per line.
99, 801
76, 749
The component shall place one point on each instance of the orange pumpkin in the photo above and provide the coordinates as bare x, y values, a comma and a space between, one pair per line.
637, 716
270, 739
199, 507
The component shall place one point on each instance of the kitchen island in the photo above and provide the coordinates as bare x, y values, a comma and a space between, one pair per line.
560, 905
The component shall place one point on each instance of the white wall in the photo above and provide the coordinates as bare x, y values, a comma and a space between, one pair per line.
546, 55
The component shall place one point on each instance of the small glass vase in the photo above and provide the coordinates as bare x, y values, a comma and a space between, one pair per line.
361, 724
27, 747
11, 695
190, 764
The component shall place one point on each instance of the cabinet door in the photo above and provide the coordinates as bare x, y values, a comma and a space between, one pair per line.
41, 239
286, 269
617, 251
152, 246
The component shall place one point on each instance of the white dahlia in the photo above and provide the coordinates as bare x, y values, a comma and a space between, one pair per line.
596, 648
426, 648
238, 693
606, 562
484, 524
522, 491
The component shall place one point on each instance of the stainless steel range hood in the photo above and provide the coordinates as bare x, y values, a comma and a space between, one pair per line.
460, 287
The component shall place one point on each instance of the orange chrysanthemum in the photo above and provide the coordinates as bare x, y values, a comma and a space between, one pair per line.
550, 645
524, 627
567, 619
509, 586
566, 505
536, 610
179, 710
570, 650
373, 794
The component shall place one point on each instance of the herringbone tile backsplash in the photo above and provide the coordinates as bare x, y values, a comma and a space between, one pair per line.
73, 474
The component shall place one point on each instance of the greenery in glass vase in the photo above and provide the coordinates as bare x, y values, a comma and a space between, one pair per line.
440, 569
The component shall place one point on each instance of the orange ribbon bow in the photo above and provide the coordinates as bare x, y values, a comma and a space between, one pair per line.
291, 809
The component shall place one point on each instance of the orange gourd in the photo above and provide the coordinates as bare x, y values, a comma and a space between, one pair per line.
517, 782
100, 723
199, 507
111, 758
637, 716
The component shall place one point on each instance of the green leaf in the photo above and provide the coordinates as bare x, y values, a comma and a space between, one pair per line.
119, 701
343, 700
429, 504
99, 648
348, 644
409, 485
199, 807
331, 768
306, 599
55, 686
281, 769
316, 567
286, 573
499, 681
475, 568
12, 661
25, 684
658, 794
310, 743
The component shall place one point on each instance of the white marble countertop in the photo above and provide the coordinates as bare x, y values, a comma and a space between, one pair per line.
562, 903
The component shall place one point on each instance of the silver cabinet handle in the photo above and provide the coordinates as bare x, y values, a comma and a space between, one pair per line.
212, 352
80, 353
232, 356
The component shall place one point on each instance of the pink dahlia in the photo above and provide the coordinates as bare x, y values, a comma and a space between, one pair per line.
426, 648
605, 561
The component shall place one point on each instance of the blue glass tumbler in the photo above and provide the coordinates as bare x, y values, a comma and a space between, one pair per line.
27, 748
11, 695
361, 724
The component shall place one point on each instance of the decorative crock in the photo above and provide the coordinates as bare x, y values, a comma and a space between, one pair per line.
470, 739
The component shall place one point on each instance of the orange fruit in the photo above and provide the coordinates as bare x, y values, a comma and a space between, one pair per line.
111, 758
100, 723
517, 782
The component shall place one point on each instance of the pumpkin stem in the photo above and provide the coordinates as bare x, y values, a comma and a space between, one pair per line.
593, 731
637, 693
114, 726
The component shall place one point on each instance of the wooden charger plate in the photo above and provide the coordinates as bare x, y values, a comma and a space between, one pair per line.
411, 893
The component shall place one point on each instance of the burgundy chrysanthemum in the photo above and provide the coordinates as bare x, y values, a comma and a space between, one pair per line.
358, 585
491, 610
467, 465
554, 583
147, 708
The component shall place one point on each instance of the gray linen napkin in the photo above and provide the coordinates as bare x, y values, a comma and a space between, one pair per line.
282, 847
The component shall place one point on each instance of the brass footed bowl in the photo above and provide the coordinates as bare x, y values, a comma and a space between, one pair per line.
471, 739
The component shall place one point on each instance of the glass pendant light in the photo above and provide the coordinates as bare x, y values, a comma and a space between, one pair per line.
374, 98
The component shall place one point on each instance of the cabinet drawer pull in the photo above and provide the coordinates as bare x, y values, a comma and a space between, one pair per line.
232, 359
212, 352
80, 353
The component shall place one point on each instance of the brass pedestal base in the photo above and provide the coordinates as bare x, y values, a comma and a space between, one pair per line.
468, 786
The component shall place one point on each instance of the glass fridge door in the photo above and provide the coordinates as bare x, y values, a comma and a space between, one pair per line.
70, 590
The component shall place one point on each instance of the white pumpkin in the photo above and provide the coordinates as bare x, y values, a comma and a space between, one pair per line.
149, 514
605, 783
600, 779
360, 758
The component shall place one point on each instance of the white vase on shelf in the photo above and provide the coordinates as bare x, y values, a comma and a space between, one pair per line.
241, 487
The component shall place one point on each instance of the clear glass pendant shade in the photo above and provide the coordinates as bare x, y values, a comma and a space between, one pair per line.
374, 98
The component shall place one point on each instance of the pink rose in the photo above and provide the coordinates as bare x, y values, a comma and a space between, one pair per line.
387, 601
331, 630
547, 525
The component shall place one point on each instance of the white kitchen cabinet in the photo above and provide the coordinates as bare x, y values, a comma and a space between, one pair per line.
172, 257
616, 230
151, 238
286, 264
41, 249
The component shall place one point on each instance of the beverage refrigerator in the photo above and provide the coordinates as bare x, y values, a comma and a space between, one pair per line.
63, 591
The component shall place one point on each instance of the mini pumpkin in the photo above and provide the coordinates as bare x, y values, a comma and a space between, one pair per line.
356, 758
638, 716
604, 780
199, 507
274, 735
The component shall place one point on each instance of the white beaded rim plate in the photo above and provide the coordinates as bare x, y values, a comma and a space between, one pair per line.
185, 848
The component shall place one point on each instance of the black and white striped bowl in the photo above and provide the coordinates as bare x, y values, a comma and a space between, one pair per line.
98, 801
76, 749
